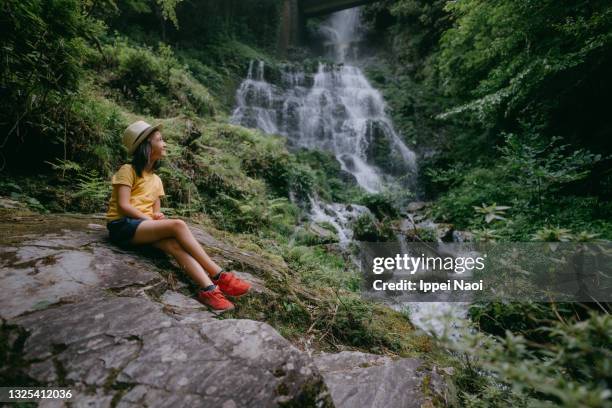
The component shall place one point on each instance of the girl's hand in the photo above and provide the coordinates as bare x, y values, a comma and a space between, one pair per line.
158, 216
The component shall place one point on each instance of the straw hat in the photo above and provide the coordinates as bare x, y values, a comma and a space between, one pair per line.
136, 133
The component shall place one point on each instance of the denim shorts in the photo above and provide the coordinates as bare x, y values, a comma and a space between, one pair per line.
122, 230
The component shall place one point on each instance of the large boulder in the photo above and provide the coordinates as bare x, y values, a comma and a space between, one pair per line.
80, 313
129, 349
358, 379
115, 327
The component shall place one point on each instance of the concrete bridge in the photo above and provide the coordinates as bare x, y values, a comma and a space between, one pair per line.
295, 13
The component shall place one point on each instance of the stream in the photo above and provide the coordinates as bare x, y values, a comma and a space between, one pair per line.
334, 108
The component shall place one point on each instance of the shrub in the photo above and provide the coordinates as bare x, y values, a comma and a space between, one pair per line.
41, 48
368, 228
381, 205
153, 82
572, 368
84, 189
477, 186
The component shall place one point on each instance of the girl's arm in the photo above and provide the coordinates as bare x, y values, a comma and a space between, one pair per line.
123, 200
157, 215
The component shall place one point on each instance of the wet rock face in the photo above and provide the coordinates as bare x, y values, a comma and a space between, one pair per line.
79, 313
101, 321
128, 347
63, 268
366, 380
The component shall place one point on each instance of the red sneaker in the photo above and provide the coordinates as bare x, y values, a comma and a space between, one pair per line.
215, 299
231, 285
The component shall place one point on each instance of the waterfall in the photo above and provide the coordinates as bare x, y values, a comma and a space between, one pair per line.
341, 216
342, 33
334, 109
254, 99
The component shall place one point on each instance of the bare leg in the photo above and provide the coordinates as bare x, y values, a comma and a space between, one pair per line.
150, 231
186, 261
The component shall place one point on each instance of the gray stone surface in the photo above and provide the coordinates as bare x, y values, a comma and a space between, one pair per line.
185, 309
348, 360
358, 379
128, 348
257, 285
415, 206
81, 313
64, 267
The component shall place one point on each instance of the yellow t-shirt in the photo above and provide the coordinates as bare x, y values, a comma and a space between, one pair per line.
145, 191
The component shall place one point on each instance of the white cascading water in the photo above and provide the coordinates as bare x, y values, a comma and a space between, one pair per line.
343, 32
341, 216
336, 109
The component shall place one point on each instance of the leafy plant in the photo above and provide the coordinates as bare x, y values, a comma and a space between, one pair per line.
486, 235
572, 368
540, 168
86, 191
368, 228
553, 234
492, 212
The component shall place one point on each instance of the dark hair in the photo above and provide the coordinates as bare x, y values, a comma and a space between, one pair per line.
140, 157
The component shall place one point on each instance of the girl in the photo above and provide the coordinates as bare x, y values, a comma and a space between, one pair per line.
134, 217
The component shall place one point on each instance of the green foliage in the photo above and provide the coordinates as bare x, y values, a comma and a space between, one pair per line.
415, 26
253, 22
553, 234
507, 54
90, 133
531, 175
87, 191
308, 237
492, 212
266, 160
153, 82
528, 319
476, 186
556, 234
382, 204
427, 234
168, 9
353, 322
325, 177
42, 45
319, 268
512, 76
368, 228
41, 49
255, 214
571, 369
486, 235
540, 168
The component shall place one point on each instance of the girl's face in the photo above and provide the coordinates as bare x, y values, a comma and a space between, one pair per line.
158, 146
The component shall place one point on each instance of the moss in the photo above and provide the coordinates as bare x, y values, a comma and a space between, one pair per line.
312, 394
12, 363
336, 319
